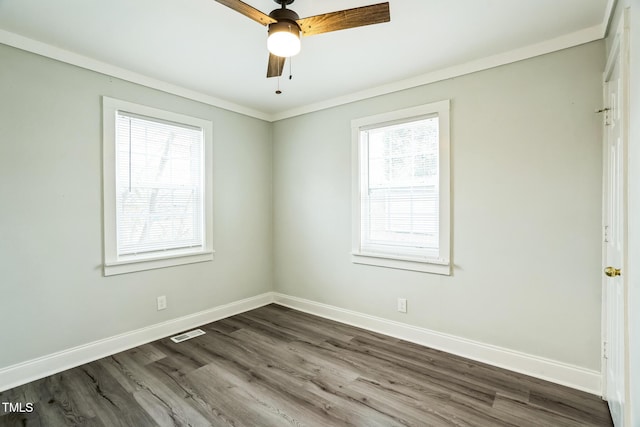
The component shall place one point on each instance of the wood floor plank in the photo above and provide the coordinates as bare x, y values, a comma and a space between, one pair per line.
159, 401
304, 364
169, 372
145, 354
505, 382
98, 395
312, 327
275, 366
53, 405
527, 415
573, 403
379, 362
268, 396
389, 378
293, 379
423, 409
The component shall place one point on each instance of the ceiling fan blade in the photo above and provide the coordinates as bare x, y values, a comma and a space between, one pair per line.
276, 65
343, 19
248, 11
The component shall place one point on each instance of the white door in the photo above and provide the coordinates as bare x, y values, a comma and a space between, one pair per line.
615, 209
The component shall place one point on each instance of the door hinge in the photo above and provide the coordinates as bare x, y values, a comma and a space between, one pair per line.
606, 115
606, 234
605, 354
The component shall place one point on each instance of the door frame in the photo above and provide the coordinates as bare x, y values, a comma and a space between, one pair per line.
619, 54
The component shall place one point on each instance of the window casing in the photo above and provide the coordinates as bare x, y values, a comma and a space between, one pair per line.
401, 213
157, 188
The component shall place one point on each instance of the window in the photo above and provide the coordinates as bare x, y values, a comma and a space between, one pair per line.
401, 189
157, 186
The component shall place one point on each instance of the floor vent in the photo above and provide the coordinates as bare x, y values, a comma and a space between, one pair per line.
187, 335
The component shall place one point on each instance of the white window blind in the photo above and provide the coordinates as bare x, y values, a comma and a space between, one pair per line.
159, 185
401, 200
400, 188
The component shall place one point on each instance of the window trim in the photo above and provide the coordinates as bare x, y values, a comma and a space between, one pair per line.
441, 264
127, 264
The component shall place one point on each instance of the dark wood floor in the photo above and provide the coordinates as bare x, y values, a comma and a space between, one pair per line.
274, 367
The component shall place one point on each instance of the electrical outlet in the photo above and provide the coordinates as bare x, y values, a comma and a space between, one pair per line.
162, 302
402, 305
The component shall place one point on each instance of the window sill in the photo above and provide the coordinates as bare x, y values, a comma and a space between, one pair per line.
390, 261
141, 264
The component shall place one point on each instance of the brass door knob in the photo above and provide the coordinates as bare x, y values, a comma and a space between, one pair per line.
612, 272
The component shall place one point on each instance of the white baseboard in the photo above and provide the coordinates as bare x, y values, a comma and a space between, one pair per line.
546, 369
539, 367
41, 367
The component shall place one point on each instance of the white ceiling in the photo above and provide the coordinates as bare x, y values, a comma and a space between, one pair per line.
212, 53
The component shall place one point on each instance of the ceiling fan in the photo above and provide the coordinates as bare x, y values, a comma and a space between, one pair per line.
285, 26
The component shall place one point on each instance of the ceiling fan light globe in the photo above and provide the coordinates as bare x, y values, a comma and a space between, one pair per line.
283, 41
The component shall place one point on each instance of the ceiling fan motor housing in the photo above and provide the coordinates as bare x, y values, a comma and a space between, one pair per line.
286, 16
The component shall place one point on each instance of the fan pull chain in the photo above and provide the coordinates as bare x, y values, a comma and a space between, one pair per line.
278, 91
290, 66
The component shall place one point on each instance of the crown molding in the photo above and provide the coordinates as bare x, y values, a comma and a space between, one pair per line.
577, 38
66, 56
564, 42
